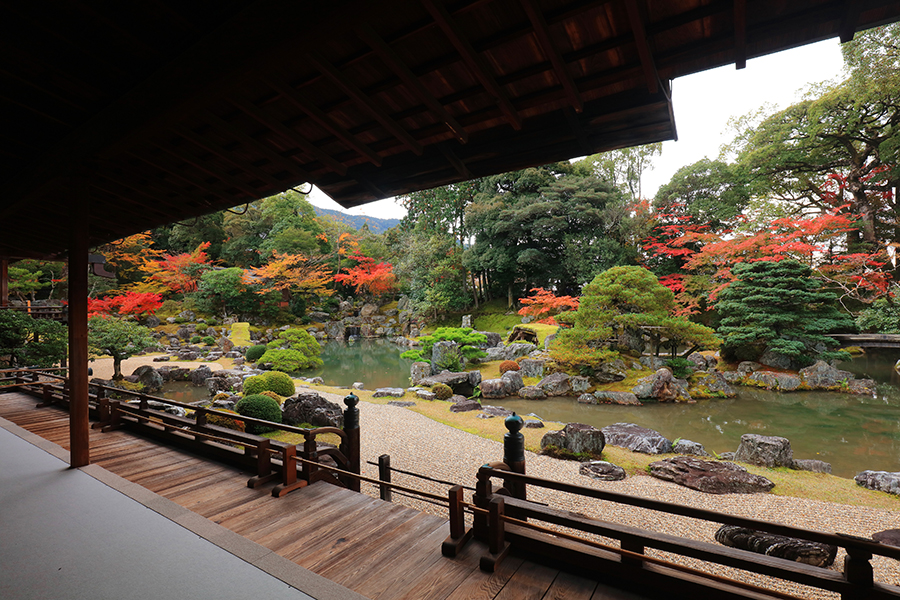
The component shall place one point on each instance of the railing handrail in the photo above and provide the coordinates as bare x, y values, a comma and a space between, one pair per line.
843, 540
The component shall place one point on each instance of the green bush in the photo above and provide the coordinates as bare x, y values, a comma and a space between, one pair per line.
294, 350
196, 339
273, 396
212, 322
272, 381
258, 406
227, 422
466, 337
681, 367
254, 352
442, 391
209, 340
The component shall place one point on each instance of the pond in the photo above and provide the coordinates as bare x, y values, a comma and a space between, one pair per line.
852, 433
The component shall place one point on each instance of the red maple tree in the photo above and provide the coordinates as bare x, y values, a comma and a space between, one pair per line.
545, 302
376, 278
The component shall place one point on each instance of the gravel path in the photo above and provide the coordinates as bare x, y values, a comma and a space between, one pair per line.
419, 444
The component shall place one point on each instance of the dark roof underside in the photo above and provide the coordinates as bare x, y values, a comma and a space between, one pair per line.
144, 113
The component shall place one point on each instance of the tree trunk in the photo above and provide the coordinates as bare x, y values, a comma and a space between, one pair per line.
117, 368
509, 296
475, 290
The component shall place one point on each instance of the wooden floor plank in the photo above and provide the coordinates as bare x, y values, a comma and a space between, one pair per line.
570, 587
530, 582
485, 586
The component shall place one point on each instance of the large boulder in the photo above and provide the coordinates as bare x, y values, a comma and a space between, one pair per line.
494, 388
577, 438
637, 438
682, 446
441, 354
604, 397
602, 470
334, 330
765, 451
149, 377
493, 339
531, 392
811, 464
462, 383
862, 387
465, 406
513, 382
611, 371
310, 407
368, 309
579, 384
216, 385
822, 375
777, 360
518, 350
883, 481
712, 385
709, 476
388, 392
200, 375
530, 367
771, 380
557, 384
654, 363
418, 372
816, 554
173, 373
748, 366
662, 386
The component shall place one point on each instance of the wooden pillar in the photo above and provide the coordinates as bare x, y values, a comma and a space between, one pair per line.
4, 282
351, 448
514, 453
79, 426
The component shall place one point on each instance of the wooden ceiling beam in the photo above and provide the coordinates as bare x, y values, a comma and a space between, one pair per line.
643, 45
740, 34
474, 61
365, 102
195, 183
253, 111
296, 98
396, 64
140, 189
274, 157
542, 33
848, 22
225, 155
456, 163
198, 164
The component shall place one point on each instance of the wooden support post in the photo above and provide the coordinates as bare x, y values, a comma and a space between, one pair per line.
458, 534
635, 546
497, 545
289, 480
384, 474
311, 453
102, 409
79, 426
483, 493
351, 447
514, 454
858, 571
4, 282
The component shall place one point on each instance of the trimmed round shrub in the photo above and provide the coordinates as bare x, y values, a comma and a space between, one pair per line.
212, 322
196, 339
280, 383
222, 396
442, 391
209, 340
227, 422
273, 396
255, 352
508, 365
258, 406
273, 381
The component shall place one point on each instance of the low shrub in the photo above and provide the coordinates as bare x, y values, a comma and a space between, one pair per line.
273, 396
222, 396
255, 352
196, 339
258, 406
681, 367
289, 360
227, 422
209, 340
442, 391
272, 381
508, 365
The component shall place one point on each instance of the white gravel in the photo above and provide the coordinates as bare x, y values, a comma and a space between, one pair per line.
418, 444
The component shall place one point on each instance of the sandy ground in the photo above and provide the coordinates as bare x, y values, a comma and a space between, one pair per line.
103, 367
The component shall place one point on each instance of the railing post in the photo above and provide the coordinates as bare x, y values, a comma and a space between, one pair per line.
384, 474
497, 546
351, 428
514, 453
858, 571
458, 534
310, 453
635, 546
483, 493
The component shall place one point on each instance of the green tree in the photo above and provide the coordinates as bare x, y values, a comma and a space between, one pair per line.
294, 350
712, 193
24, 284
118, 339
26, 341
467, 339
779, 308
624, 168
622, 304
882, 316
223, 291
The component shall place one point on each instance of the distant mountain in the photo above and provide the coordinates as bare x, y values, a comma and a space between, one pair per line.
357, 221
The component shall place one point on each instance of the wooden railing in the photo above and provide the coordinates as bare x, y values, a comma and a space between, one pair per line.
54, 313
505, 519
273, 460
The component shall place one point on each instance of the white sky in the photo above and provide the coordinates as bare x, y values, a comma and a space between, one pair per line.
703, 103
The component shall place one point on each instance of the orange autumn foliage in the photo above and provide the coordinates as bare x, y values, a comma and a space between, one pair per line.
293, 273
376, 278
544, 302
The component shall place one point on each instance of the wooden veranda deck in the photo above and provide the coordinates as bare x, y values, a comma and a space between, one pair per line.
378, 549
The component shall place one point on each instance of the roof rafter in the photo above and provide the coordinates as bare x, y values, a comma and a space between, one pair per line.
272, 124
365, 102
740, 34
542, 33
643, 45
848, 22
198, 164
297, 98
396, 64
476, 63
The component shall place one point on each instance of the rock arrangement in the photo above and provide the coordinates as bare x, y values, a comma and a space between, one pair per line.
883, 481
770, 544
708, 476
